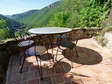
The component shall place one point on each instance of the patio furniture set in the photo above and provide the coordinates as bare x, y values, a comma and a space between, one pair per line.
40, 45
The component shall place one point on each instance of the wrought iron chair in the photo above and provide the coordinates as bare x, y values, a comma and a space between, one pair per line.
24, 45
21, 46
39, 50
64, 42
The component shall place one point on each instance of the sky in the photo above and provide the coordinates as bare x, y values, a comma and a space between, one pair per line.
9, 7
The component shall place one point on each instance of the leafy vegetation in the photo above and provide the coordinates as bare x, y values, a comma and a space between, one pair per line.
9, 23
77, 13
4, 34
7, 26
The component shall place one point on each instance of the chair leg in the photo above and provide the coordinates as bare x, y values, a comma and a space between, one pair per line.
76, 42
52, 50
76, 52
39, 64
41, 71
72, 56
22, 63
40, 68
72, 65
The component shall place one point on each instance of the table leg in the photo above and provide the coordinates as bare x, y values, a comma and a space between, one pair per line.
23, 63
51, 44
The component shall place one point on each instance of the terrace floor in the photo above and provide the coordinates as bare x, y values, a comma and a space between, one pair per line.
94, 66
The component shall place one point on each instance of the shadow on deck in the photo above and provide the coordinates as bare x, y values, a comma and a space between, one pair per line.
86, 56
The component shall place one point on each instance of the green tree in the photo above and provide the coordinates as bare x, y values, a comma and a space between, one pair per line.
59, 19
4, 33
3, 23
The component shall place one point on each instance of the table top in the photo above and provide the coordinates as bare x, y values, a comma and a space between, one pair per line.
49, 30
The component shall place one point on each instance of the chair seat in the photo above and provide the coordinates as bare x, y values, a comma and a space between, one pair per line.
40, 50
67, 44
25, 43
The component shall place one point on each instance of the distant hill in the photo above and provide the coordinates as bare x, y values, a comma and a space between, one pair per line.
20, 17
11, 24
35, 17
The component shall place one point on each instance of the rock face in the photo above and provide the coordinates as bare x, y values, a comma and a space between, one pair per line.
108, 37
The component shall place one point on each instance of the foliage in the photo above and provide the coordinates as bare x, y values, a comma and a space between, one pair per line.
8, 27
76, 13
4, 33
91, 16
59, 19
3, 23
9, 23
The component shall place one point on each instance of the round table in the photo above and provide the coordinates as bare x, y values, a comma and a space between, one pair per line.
49, 30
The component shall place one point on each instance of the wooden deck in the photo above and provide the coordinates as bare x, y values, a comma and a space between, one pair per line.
53, 73
86, 68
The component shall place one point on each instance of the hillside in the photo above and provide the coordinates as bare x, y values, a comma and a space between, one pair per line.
20, 17
36, 17
7, 26
11, 24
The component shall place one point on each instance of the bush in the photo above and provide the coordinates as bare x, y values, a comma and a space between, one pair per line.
92, 16
4, 34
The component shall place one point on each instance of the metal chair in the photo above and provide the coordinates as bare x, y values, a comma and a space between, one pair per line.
64, 42
24, 45
21, 46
